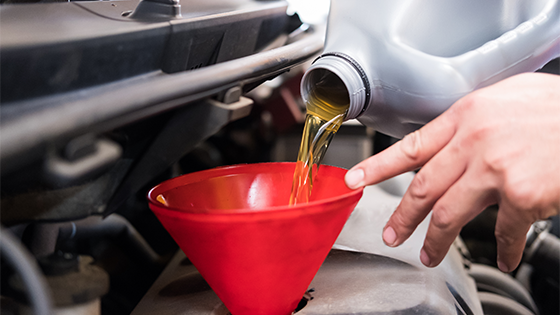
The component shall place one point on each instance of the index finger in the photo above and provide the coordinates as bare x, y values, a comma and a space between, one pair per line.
413, 151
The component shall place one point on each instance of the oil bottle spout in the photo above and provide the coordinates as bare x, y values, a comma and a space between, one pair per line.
351, 79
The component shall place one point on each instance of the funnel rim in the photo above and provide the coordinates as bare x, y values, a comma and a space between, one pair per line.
152, 195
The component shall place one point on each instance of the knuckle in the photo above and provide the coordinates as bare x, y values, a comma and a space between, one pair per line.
411, 146
496, 163
523, 195
517, 195
468, 103
480, 133
443, 219
419, 189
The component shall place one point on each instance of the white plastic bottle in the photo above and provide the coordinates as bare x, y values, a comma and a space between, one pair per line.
404, 62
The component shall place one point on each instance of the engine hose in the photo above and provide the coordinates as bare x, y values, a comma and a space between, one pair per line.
492, 280
24, 264
78, 234
544, 254
494, 304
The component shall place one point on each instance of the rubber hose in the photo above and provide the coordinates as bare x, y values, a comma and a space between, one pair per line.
25, 265
494, 304
491, 279
544, 255
114, 227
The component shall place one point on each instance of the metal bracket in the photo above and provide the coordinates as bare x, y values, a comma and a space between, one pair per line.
82, 158
157, 10
239, 109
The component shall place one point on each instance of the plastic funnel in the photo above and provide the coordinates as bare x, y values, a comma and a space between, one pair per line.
234, 223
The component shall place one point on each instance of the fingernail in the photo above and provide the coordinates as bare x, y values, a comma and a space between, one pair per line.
389, 236
503, 267
424, 258
353, 178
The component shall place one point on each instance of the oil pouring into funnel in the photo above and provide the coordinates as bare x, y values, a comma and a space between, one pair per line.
334, 89
327, 104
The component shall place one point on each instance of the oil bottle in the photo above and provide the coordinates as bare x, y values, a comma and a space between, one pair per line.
404, 62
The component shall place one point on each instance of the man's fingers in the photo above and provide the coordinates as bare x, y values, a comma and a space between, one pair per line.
460, 204
431, 182
408, 154
511, 232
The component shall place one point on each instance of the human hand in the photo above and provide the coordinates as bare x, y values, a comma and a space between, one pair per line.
497, 145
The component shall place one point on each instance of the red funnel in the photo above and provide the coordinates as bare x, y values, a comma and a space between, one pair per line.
234, 223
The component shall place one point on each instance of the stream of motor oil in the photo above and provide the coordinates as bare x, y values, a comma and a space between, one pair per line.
327, 106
